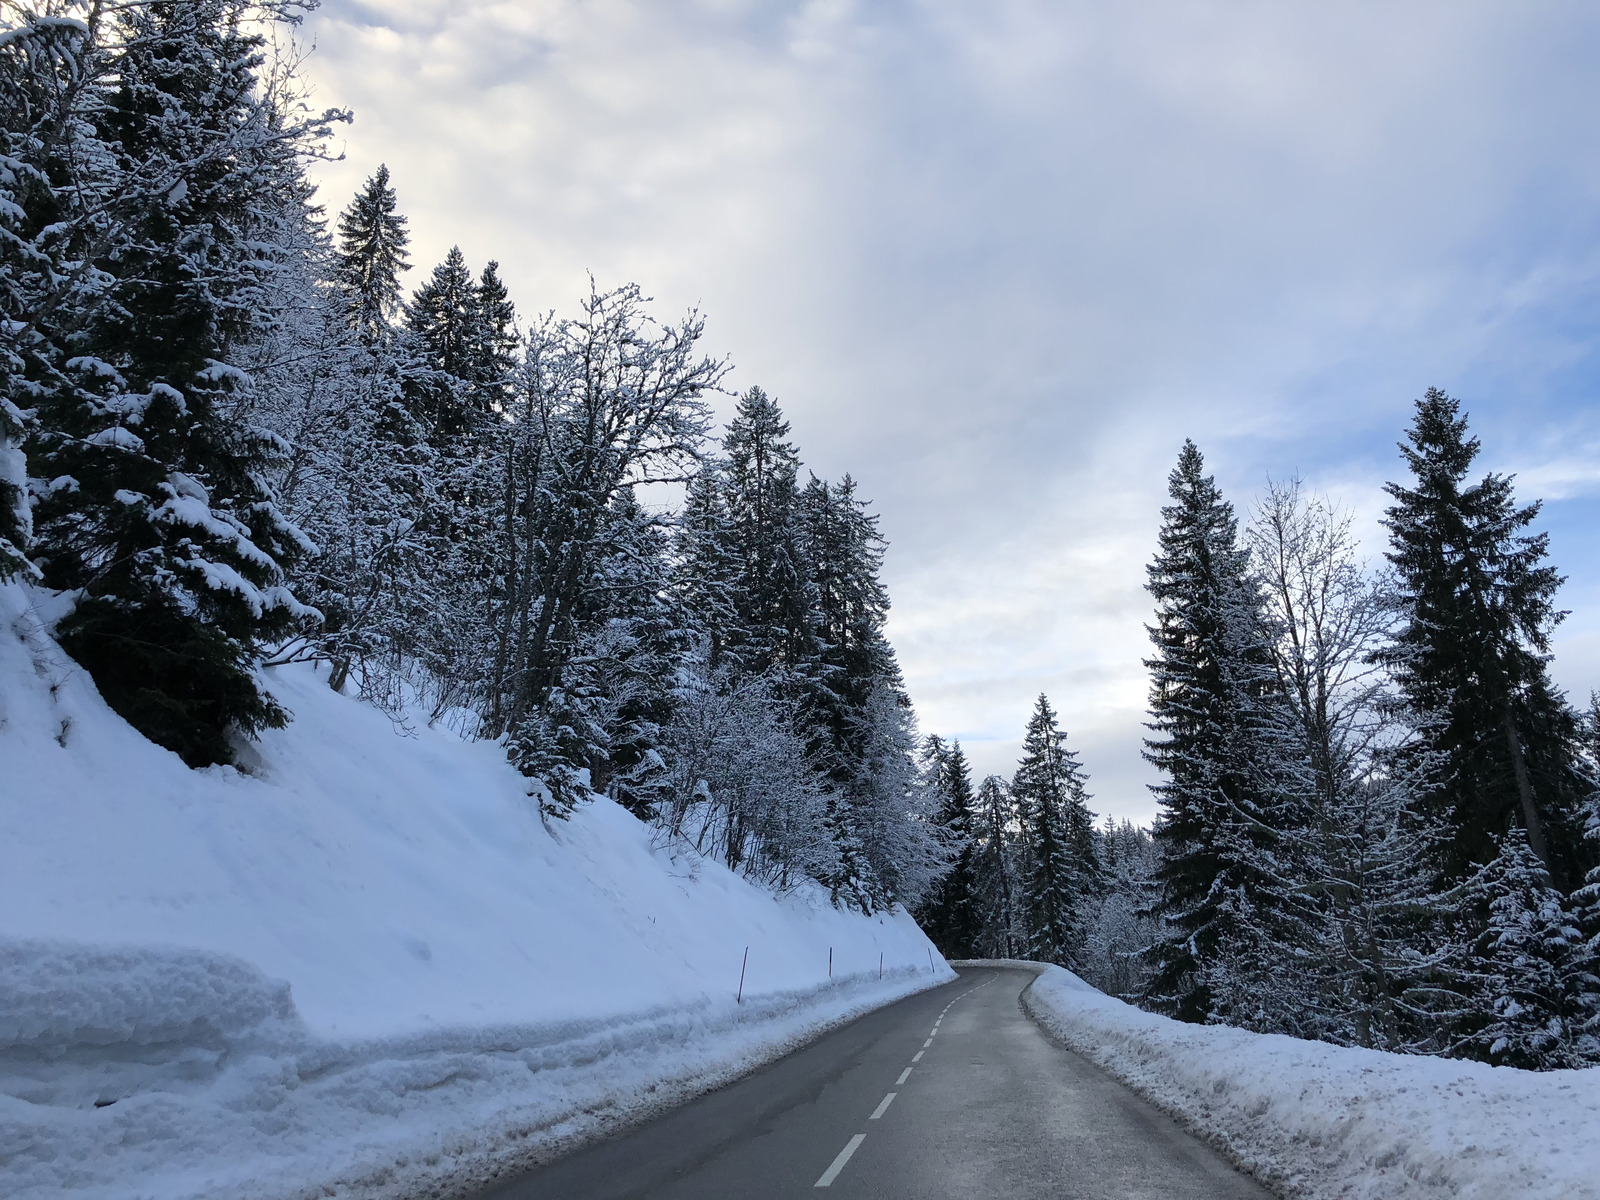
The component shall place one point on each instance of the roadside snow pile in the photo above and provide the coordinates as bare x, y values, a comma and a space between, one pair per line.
1320, 1122
365, 967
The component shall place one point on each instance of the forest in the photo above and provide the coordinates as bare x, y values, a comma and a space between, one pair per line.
233, 436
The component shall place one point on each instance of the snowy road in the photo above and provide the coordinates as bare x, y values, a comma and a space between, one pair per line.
951, 1093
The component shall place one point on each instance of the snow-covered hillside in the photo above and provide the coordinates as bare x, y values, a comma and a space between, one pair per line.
363, 959
1321, 1122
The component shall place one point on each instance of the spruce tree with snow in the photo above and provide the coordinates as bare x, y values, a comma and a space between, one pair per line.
1063, 873
705, 574
1523, 1013
1227, 905
372, 256
158, 515
443, 321
1475, 599
775, 603
995, 885
42, 66
949, 913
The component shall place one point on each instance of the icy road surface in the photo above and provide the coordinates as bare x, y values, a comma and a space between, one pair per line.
951, 1093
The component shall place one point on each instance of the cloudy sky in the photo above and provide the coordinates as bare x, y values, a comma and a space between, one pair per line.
997, 258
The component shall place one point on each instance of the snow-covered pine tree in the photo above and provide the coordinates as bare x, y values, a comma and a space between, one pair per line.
492, 363
705, 570
949, 914
1063, 874
157, 514
1475, 599
372, 256
442, 320
775, 605
1522, 1013
1583, 975
1228, 912
362, 479
883, 818
995, 884
45, 65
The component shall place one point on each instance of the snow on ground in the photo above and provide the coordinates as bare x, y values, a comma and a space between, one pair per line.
364, 964
1321, 1122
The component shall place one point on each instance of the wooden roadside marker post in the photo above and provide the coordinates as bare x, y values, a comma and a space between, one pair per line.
880, 964
830, 962
739, 999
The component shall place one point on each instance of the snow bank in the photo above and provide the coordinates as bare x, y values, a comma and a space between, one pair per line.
362, 965
1319, 1122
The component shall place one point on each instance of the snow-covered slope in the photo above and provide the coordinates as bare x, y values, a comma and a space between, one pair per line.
1320, 1122
460, 979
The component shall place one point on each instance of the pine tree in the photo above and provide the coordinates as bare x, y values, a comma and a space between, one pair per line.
775, 606
1476, 602
443, 320
950, 914
159, 516
1057, 827
493, 359
372, 256
1525, 1015
994, 871
705, 576
1224, 904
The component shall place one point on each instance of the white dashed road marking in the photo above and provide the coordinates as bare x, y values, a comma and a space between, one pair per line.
832, 1172
883, 1106
903, 1076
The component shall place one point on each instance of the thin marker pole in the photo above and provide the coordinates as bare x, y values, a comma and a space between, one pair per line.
739, 999
880, 964
830, 962
931, 967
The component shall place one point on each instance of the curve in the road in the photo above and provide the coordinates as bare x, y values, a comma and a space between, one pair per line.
951, 1093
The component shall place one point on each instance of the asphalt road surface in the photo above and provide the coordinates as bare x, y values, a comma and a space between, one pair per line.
953, 1093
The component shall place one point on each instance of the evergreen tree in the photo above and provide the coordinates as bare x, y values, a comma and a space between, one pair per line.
705, 576
43, 67
994, 871
1476, 602
493, 360
775, 604
950, 914
1525, 1015
1225, 905
1058, 829
159, 516
443, 320
372, 256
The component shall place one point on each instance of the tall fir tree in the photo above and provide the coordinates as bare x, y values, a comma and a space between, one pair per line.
776, 623
1225, 905
1063, 872
995, 884
949, 914
444, 323
372, 256
158, 516
1476, 603
1524, 1010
